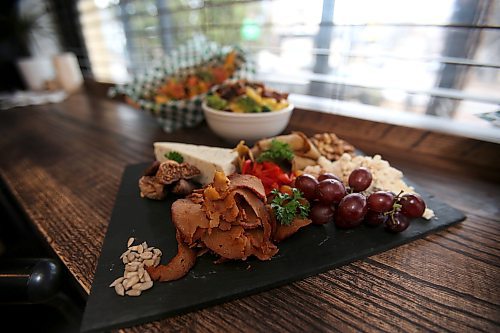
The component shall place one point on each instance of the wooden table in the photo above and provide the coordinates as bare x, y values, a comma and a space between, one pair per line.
63, 164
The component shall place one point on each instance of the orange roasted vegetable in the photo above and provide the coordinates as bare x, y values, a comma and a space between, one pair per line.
200, 82
220, 74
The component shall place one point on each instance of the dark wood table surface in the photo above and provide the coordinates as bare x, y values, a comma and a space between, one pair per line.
63, 163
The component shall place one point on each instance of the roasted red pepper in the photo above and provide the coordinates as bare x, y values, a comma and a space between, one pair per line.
271, 174
247, 165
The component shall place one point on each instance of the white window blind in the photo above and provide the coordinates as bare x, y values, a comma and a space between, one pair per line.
426, 57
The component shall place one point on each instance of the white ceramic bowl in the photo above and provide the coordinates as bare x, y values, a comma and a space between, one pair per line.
250, 127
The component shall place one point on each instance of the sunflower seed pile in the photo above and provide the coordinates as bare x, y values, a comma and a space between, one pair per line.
135, 278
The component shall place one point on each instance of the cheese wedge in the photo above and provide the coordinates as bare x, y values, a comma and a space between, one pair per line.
207, 159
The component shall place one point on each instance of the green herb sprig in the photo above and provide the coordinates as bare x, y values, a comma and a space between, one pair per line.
277, 152
175, 156
287, 207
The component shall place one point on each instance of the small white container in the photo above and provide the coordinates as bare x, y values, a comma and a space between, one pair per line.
36, 72
68, 72
250, 127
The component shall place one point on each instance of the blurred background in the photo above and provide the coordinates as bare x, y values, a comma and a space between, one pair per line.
432, 64
367, 58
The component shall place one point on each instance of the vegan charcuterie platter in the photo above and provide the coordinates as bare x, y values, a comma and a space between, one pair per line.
204, 225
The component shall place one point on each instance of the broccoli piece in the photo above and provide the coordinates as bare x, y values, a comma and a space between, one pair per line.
248, 105
216, 102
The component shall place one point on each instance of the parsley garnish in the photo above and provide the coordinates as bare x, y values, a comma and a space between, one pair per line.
287, 207
175, 156
278, 152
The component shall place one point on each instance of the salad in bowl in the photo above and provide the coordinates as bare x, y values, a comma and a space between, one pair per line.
244, 96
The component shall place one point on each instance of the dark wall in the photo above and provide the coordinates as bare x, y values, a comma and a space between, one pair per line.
65, 16
10, 47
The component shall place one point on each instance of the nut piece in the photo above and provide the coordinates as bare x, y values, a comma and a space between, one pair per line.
117, 281
133, 280
119, 289
131, 268
134, 292
124, 254
136, 264
137, 286
149, 262
145, 285
157, 261
331, 147
146, 255
129, 275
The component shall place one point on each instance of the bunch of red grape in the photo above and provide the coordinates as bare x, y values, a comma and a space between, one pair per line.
331, 201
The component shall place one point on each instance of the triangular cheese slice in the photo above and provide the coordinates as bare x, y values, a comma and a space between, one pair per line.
207, 159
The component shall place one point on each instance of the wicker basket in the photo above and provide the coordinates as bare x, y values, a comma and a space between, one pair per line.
184, 61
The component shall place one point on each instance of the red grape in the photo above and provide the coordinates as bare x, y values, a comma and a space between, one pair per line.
412, 205
380, 201
341, 223
321, 214
330, 191
397, 223
307, 185
374, 219
351, 211
328, 176
360, 179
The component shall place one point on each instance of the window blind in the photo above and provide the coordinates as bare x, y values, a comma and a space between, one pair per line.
429, 57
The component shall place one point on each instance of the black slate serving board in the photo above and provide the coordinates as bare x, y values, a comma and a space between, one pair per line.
311, 251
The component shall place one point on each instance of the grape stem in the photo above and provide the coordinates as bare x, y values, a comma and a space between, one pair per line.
396, 207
